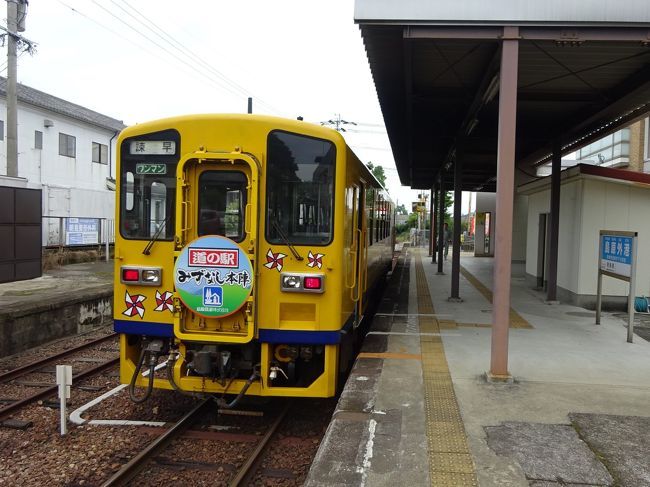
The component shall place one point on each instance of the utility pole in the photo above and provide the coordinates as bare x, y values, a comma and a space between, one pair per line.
338, 123
14, 25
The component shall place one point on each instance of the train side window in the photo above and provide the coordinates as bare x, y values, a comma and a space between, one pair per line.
129, 191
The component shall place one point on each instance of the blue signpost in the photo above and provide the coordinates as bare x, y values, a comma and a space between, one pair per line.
617, 259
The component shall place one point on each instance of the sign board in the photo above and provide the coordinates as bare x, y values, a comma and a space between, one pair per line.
617, 258
616, 254
152, 147
82, 231
144, 168
213, 276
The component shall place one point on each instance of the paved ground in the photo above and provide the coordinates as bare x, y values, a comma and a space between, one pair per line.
578, 411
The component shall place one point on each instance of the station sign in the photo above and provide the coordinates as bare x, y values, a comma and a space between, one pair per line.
81, 231
616, 254
213, 276
617, 258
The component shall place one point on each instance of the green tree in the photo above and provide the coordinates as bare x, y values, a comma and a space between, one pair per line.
401, 210
378, 172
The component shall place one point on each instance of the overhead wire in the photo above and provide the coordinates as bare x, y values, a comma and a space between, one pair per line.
184, 50
161, 48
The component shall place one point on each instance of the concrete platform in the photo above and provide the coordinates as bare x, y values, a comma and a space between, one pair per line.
70, 299
576, 413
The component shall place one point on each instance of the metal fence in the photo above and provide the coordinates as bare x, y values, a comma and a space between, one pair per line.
71, 232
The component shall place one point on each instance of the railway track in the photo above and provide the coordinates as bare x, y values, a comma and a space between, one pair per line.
44, 389
39, 364
242, 477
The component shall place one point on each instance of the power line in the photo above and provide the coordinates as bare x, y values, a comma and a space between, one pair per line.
232, 88
338, 123
184, 50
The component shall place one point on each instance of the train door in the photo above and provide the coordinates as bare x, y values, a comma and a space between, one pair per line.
362, 261
358, 252
216, 238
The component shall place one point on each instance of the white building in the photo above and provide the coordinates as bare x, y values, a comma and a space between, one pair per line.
64, 149
592, 198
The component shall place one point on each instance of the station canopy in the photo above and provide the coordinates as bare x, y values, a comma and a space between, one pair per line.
584, 72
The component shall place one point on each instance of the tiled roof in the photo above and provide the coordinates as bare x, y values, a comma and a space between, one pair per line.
52, 103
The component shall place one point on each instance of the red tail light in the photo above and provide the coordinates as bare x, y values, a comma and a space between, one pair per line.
312, 283
130, 275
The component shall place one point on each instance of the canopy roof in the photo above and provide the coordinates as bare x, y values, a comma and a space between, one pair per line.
584, 71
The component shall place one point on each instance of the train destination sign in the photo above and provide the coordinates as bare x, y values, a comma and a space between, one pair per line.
153, 147
213, 276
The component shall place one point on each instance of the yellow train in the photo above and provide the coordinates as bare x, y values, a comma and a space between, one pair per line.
248, 250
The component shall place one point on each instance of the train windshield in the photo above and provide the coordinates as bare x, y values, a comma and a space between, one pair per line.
299, 189
147, 200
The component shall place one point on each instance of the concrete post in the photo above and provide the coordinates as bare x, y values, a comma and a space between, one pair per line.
12, 109
505, 197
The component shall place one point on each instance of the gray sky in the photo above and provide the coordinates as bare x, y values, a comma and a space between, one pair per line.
146, 59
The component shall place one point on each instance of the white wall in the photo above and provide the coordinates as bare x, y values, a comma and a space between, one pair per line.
569, 232
486, 203
83, 181
612, 206
586, 207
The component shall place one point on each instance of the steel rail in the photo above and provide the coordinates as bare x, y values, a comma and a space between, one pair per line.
124, 475
245, 474
11, 408
26, 369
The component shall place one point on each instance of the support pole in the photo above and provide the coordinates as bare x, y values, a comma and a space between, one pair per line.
431, 213
441, 220
434, 220
458, 199
505, 197
12, 110
554, 230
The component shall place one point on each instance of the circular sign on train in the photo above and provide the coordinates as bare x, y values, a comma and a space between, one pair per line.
213, 276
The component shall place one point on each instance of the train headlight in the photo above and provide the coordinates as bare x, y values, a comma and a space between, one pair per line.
291, 282
151, 276
302, 283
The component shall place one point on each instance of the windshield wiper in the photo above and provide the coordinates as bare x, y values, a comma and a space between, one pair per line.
154, 238
285, 239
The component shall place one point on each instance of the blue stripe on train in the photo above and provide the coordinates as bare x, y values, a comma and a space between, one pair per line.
300, 336
143, 328
269, 336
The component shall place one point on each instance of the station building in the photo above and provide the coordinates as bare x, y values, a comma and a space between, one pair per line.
67, 151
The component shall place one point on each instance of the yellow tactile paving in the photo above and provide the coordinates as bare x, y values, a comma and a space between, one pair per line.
384, 355
516, 320
450, 461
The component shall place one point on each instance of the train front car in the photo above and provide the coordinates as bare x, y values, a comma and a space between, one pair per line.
241, 257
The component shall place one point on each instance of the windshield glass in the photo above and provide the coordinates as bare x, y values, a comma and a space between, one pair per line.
299, 189
147, 199
222, 199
